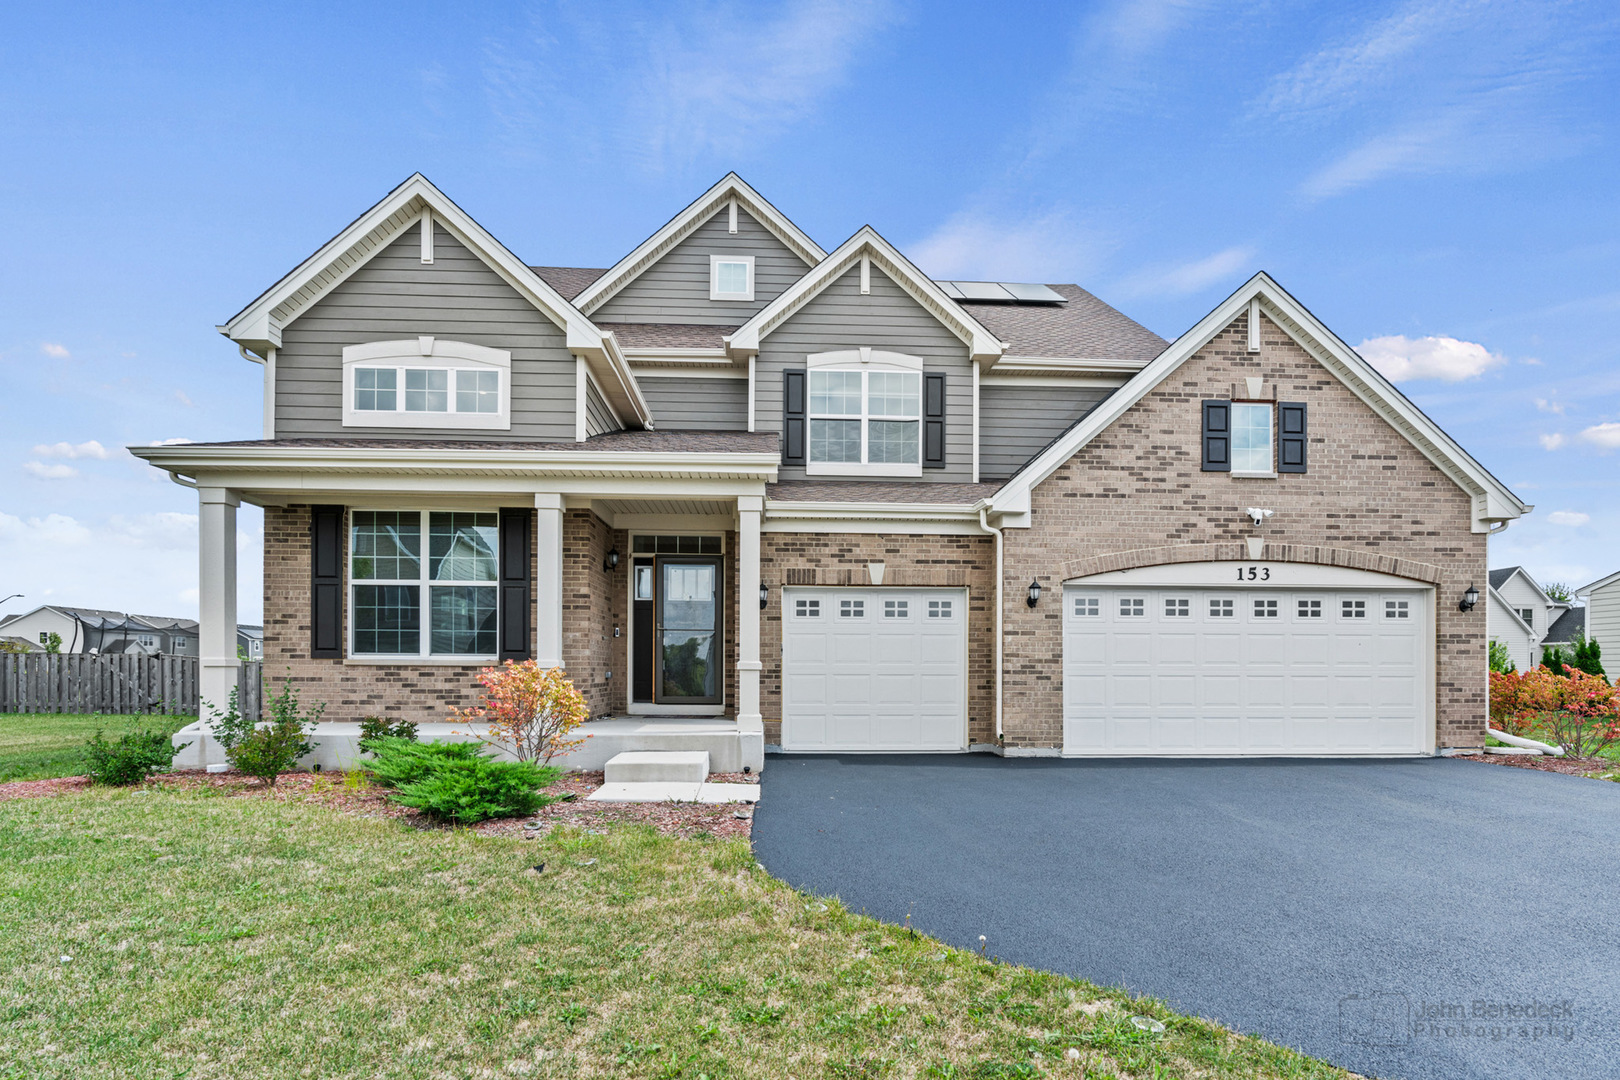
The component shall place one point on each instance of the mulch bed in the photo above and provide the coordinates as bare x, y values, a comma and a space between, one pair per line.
1596, 768
368, 800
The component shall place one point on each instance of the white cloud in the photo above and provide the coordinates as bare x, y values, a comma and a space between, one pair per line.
1182, 278
180, 396
975, 246
1568, 517
1446, 358
169, 442
49, 472
1605, 435
1547, 406
1552, 441
91, 449
54, 350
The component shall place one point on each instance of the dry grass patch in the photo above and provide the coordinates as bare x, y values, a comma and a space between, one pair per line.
216, 936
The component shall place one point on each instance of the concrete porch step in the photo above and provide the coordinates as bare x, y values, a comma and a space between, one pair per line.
674, 792
657, 767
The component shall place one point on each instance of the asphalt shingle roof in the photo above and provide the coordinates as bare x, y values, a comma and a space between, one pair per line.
568, 280
1085, 328
1569, 624
1499, 576
667, 335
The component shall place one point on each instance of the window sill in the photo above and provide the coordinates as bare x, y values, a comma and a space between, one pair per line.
1253, 475
844, 468
421, 661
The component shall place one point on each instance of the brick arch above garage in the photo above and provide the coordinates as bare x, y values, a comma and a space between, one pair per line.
1311, 554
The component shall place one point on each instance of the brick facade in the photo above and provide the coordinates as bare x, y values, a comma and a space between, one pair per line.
837, 559
1136, 495
593, 607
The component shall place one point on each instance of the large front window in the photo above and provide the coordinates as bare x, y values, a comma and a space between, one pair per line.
865, 422
416, 598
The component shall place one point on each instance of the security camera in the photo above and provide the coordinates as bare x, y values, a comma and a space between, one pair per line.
1258, 515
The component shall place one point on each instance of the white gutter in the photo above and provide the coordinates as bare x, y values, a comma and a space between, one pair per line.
984, 523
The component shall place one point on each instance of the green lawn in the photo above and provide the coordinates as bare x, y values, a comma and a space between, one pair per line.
161, 933
38, 746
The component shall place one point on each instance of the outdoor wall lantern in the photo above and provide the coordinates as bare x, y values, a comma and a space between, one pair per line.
764, 595
1470, 598
1034, 593
611, 563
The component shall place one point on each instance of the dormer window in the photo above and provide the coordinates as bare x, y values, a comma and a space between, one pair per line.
425, 382
731, 277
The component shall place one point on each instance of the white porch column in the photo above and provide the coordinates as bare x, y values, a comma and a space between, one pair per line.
548, 580
216, 596
750, 725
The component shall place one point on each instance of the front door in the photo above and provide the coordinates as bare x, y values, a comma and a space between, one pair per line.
677, 635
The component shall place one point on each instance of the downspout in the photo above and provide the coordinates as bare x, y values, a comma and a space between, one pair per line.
984, 523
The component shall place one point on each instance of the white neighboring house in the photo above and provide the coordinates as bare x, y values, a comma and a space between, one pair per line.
1524, 618
1603, 616
99, 630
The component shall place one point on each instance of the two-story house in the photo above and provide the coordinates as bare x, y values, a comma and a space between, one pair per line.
1525, 619
829, 503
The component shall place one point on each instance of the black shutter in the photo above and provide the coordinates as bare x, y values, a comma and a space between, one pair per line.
1290, 436
516, 596
934, 421
794, 421
326, 582
1217, 436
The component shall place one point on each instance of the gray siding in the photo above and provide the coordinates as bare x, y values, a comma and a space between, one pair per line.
841, 318
598, 417
1017, 422
675, 289
456, 297
695, 404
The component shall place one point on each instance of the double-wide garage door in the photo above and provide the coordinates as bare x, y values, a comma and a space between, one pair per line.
874, 669
1228, 671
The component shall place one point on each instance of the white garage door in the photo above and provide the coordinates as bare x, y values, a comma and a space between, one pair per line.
874, 669
1228, 671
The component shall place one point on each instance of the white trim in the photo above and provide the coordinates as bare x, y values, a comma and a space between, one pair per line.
866, 275
975, 368
1492, 501
1600, 583
548, 579
437, 354
731, 215
427, 234
1254, 325
270, 393
693, 372
983, 346
715, 262
581, 406
751, 386
683, 224
607, 402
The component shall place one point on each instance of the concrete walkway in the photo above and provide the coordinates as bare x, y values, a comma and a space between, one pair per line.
1362, 911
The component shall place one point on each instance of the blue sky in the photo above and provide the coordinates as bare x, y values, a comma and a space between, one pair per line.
1435, 180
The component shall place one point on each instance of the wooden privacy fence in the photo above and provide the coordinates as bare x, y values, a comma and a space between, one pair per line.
122, 684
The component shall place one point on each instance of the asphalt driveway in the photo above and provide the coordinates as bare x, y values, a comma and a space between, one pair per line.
1363, 911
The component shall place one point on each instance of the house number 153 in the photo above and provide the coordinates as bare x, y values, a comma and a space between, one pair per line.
1254, 573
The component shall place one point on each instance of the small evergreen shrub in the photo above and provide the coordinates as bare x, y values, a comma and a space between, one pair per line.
472, 790
131, 759
396, 762
373, 728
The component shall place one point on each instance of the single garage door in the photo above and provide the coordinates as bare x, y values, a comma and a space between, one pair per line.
874, 669
1232, 671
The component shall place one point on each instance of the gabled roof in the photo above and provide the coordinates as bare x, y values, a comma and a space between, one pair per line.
983, 346
1492, 501
257, 327
1569, 624
1512, 612
1600, 583
570, 281
1501, 577
683, 224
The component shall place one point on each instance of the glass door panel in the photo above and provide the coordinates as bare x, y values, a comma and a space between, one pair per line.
688, 630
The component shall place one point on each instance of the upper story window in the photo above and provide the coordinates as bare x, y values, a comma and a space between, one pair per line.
731, 277
1251, 438
1529, 616
865, 418
426, 382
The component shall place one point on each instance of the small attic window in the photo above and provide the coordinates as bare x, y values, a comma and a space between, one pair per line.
731, 277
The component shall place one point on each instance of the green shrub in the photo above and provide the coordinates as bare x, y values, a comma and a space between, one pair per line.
396, 761
1500, 660
1555, 659
1588, 656
271, 749
229, 727
373, 728
132, 758
466, 791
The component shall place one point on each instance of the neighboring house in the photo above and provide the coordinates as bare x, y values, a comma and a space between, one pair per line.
836, 505
250, 642
97, 630
1524, 618
1603, 618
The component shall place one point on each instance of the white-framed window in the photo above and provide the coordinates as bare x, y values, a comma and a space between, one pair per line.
807, 609
939, 609
1132, 607
1176, 608
731, 277
424, 382
865, 414
1265, 609
1251, 439
1397, 609
1087, 607
423, 582
896, 609
1220, 609
1353, 609
852, 609
1310, 609
1529, 616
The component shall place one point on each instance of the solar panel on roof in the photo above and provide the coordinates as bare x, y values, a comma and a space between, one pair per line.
950, 289
1036, 294
983, 290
